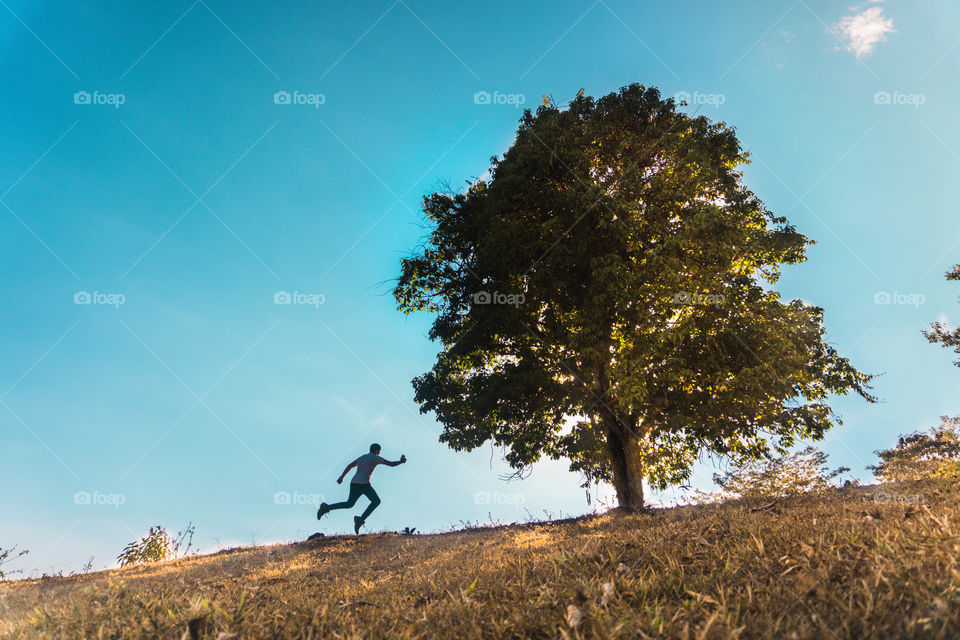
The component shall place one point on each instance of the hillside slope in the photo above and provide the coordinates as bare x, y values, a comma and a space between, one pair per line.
846, 564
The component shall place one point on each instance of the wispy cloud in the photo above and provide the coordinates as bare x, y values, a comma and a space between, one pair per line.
864, 30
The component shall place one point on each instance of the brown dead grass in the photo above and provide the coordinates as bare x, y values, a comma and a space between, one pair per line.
835, 565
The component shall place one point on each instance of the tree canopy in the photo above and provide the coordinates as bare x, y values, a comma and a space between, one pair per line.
600, 298
921, 454
800, 472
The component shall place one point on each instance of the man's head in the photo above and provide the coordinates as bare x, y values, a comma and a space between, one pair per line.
375, 449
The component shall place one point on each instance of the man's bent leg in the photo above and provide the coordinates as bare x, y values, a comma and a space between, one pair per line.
356, 490
374, 501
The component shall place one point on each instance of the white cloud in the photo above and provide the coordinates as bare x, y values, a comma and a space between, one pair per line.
862, 31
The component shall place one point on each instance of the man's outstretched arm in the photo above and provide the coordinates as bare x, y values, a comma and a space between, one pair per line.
345, 471
396, 462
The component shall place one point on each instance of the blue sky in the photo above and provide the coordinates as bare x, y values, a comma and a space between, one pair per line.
153, 167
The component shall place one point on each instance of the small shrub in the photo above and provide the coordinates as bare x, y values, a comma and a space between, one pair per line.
153, 547
157, 545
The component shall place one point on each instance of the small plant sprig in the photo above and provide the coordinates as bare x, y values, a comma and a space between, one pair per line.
9, 555
184, 541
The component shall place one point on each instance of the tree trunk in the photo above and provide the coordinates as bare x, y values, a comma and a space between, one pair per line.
627, 465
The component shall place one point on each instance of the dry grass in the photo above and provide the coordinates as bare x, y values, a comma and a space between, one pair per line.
836, 565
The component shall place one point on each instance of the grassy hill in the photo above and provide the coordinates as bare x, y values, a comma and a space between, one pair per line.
852, 563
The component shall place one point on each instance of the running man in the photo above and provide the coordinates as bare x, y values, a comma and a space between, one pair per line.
360, 485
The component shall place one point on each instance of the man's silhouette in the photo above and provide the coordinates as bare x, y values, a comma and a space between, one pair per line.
360, 485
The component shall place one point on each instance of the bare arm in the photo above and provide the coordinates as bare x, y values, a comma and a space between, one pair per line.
396, 462
348, 467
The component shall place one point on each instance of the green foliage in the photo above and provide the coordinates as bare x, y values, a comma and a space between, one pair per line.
598, 299
800, 472
153, 547
9, 555
922, 454
942, 334
157, 545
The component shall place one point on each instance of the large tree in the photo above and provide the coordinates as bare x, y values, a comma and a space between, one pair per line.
940, 333
599, 298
